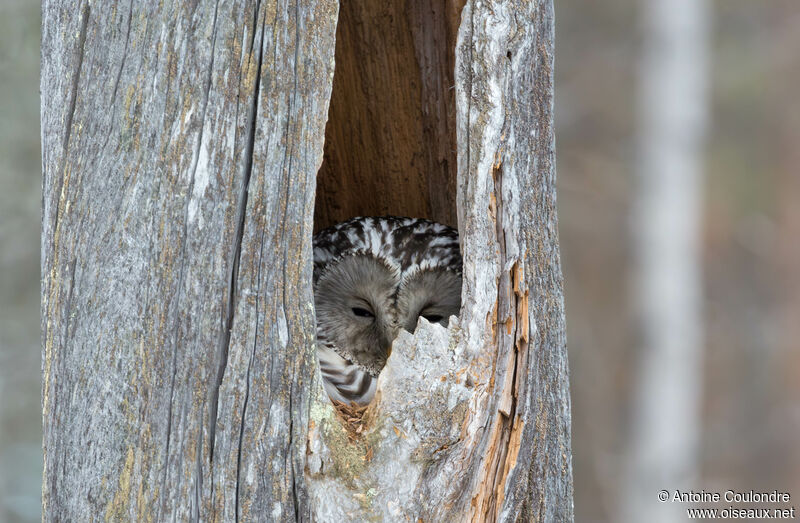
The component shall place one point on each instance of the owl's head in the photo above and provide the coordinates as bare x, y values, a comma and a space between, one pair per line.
433, 293
354, 301
362, 303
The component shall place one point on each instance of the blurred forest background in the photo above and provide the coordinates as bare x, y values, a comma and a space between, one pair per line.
748, 355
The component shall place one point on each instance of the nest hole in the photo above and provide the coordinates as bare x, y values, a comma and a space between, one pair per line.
390, 139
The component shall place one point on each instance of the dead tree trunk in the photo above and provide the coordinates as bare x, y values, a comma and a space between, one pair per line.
181, 145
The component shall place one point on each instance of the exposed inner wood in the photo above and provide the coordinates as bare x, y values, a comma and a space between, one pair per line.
390, 144
510, 335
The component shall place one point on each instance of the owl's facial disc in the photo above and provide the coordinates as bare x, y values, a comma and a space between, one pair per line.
434, 294
353, 301
378, 325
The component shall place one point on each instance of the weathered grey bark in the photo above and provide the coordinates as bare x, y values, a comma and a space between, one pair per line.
180, 148
667, 230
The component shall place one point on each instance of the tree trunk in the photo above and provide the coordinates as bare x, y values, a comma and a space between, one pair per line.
668, 266
181, 146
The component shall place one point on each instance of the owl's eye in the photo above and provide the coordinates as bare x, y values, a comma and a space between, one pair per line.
364, 313
432, 318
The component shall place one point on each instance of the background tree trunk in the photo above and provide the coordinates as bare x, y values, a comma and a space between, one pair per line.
180, 149
673, 106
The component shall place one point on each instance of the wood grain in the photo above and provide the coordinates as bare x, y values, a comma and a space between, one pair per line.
390, 140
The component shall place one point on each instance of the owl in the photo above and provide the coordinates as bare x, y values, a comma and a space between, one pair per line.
373, 277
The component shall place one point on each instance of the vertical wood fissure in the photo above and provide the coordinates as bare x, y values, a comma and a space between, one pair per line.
181, 275
73, 100
236, 256
292, 444
86, 10
122, 62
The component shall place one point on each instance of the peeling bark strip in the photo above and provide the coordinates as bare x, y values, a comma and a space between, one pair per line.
181, 142
180, 147
472, 423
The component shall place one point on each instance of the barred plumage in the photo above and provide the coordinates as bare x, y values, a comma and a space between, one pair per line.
372, 277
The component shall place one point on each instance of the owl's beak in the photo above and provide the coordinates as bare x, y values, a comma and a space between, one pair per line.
386, 346
386, 349
386, 340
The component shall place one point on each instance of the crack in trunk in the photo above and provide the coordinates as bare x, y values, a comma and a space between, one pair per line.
241, 212
124, 55
189, 192
74, 95
73, 99
236, 252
